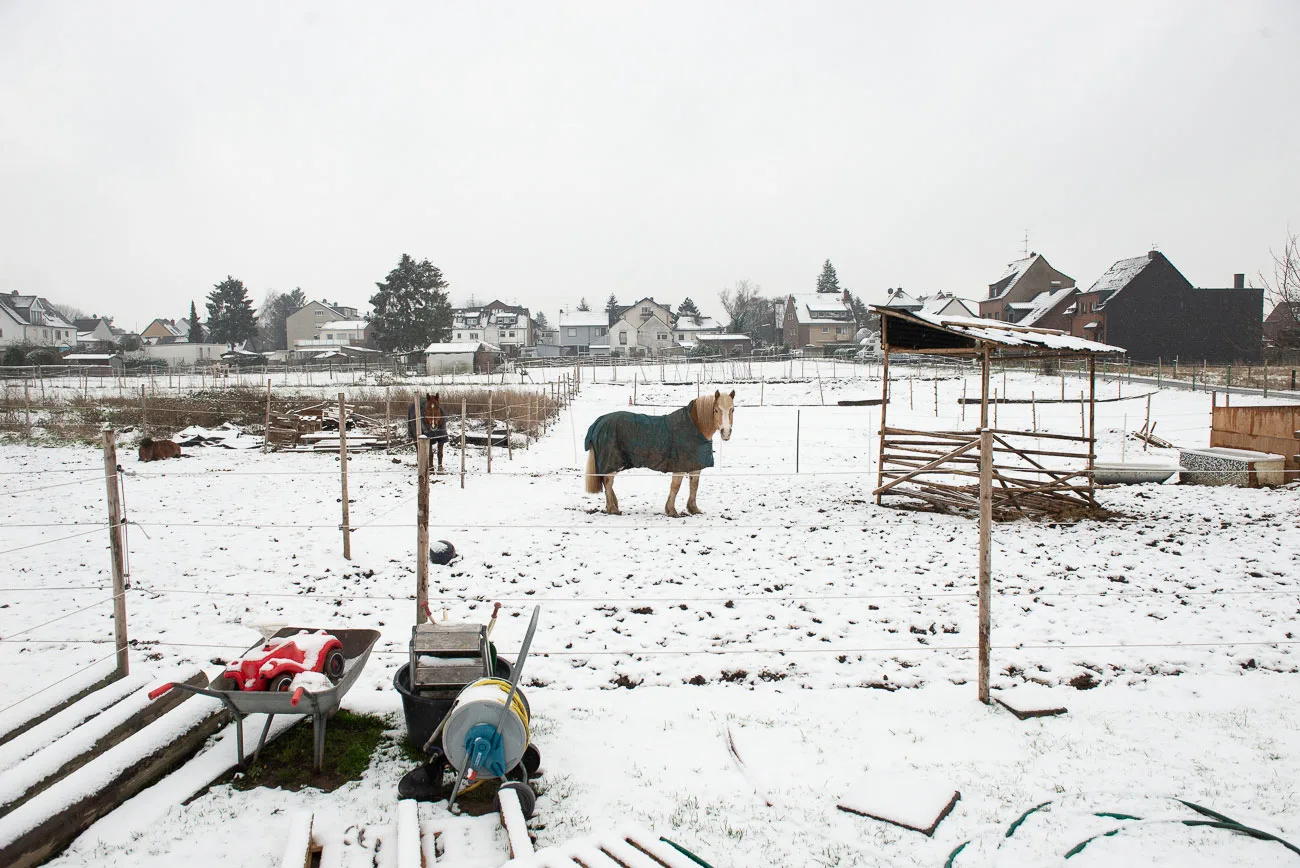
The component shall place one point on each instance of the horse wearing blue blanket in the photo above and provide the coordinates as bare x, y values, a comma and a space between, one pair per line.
680, 443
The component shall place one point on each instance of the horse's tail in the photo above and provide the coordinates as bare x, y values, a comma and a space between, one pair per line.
593, 479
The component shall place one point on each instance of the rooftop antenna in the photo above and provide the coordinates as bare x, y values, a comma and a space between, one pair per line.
1025, 253
1155, 246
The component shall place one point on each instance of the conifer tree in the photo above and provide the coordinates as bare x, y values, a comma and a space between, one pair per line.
230, 313
411, 307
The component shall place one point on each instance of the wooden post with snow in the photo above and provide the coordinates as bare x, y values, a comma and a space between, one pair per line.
462, 442
489, 432
422, 448
343, 466
986, 559
266, 432
116, 549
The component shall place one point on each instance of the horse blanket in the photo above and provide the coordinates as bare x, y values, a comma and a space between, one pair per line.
669, 444
436, 433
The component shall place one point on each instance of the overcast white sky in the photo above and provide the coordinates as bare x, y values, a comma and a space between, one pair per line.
544, 151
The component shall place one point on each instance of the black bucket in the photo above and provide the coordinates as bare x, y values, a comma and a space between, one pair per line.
425, 710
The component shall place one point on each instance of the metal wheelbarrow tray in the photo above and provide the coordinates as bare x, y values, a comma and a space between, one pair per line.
319, 705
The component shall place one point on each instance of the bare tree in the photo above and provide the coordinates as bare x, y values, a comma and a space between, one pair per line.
1283, 288
742, 304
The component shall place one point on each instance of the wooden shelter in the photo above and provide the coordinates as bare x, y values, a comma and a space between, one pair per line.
942, 468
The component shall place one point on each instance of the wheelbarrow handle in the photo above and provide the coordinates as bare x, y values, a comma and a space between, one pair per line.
188, 688
297, 695
159, 691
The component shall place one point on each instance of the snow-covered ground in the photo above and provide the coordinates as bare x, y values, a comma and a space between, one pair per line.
794, 608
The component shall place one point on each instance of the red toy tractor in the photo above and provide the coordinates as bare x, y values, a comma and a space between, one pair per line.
272, 667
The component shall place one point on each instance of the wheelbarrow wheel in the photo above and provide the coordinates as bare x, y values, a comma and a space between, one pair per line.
527, 798
334, 664
531, 760
280, 683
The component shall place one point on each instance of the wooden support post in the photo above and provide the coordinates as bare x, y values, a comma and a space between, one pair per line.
986, 559
1266, 376
884, 405
422, 449
27, 411
1033, 410
462, 442
144, 411
798, 426
936, 396
634, 378
1160, 370
388, 425
1083, 422
1147, 427
510, 446
820, 394
963, 397
1092, 430
116, 550
343, 467
489, 433
266, 435
911, 390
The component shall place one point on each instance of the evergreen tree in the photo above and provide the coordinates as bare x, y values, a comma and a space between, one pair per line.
612, 306
411, 307
827, 281
687, 310
230, 313
861, 313
273, 318
540, 319
582, 304
196, 328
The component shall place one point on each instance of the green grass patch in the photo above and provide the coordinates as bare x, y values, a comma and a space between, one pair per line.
350, 742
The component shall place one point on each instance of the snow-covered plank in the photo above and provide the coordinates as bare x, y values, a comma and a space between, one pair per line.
512, 819
63, 756
902, 798
408, 834
46, 824
297, 845
32, 739
42, 706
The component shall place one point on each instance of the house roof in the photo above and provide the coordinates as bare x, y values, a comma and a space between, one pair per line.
90, 357
1043, 304
820, 307
34, 310
346, 324
1120, 275
1015, 271
940, 302
583, 318
724, 337
899, 298
691, 324
437, 349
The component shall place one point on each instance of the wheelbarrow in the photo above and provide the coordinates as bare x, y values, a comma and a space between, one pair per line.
320, 704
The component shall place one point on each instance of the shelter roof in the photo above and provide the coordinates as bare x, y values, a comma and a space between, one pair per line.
958, 335
460, 347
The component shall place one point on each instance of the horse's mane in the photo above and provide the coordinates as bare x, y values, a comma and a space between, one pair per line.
702, 416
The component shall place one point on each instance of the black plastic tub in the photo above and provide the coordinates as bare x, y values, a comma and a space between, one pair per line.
424, 711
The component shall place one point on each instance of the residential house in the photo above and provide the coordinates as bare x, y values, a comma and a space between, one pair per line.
1282, 325
507, 326
94, 330
688, 329
1053, 309
818, 319
164, 331
903, 301
641, 329
305, 322
725, 344
1023, 281
32, 320
338, 334
581, 329
178, 353
1146, 306
947, 304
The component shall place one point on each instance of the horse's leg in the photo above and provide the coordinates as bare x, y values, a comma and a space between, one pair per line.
691, 506
671, 508
440, 445
611, 502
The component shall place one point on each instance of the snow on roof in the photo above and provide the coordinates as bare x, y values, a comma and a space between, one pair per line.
1006, 334
1015, 271
942, 302
1120, 274
460, 347
820, 307
345, 325
89, 357
1043, 303
726, 337
705, 323
584, 318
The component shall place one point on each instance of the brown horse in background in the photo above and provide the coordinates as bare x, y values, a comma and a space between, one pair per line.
158, 450
433, 423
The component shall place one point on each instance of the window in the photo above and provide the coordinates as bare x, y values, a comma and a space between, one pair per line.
622, 338
645, 311
839, 331
473, 336
601, 332
662, 337
573, 333
512, 334
460, 336
681, 337
826, 330
318, 314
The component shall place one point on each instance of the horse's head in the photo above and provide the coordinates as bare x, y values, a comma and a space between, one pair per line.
724, 410
432, 407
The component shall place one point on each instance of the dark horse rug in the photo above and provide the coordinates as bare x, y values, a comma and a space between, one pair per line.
669, 444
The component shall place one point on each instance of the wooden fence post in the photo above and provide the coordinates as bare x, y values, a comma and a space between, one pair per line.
489, 433
343, 464
510, 447
266, 436
116, 550
798, 424
144, 411
422, 449
986, 559
27, 411
388, 425
462, 442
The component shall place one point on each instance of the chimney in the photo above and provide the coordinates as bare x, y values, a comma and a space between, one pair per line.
1239, 281
1056, 284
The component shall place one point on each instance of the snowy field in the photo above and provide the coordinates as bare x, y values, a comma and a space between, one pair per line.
832, 636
